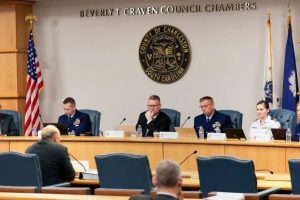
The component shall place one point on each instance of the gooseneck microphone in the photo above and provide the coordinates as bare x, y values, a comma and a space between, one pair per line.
185, 121
41, 119
123, 120
188, 157
264, 170
78, 161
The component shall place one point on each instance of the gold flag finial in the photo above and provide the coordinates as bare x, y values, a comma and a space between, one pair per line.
30, 18
290, 16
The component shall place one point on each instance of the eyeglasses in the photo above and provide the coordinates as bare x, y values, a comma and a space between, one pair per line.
152, 106
204, 106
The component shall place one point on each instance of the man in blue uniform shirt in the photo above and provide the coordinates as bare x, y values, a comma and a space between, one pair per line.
76, 121
210, 118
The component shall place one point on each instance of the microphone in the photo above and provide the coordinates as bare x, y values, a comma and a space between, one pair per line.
264, 170
123, 120
41, 119
78, 161
185, 121
188, 157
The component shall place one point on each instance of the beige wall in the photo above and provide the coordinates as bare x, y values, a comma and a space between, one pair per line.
95, 60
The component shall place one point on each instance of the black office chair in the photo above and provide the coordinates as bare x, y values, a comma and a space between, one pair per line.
95, 117
174, 116
124, 171
294, 166
235, 116
227, 174
17, 118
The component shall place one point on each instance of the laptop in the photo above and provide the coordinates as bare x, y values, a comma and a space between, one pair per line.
127, 128
235, 133
186, 132
278, 133
61, 127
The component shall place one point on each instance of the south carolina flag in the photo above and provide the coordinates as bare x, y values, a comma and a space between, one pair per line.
290, 82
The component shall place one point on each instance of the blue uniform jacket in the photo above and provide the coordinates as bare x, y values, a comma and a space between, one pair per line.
201, 120
79, 123
296, 135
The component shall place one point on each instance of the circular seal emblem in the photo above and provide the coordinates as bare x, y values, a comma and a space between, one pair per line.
165, 54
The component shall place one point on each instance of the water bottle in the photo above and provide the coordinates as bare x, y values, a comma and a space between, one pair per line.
34, 131
288, 135
139, 131
201, 133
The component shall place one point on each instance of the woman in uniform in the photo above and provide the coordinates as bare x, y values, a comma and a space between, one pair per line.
264, 122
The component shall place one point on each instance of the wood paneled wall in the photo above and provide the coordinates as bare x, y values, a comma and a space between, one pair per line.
13, 54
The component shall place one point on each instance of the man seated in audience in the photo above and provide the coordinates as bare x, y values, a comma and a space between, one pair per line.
54, 158
211, 119
167, 180
76, 121
7, 125
153, 119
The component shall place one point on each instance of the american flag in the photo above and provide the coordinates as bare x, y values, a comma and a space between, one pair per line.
33, 88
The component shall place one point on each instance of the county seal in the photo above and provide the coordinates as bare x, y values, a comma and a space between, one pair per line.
165, 54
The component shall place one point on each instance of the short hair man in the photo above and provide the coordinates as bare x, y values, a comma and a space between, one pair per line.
76, 121
210, 117
7, 125
167, 180
54, 157
153, 119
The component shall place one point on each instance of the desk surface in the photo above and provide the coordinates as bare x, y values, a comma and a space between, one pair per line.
264, 181
40, 196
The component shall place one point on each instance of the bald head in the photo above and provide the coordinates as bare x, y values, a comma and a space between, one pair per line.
51, 132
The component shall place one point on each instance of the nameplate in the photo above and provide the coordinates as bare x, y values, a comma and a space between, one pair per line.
227, 196
114, 134
168, 135
260, 137
216, 136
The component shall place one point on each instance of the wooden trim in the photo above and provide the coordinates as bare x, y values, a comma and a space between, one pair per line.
17, 2
13, 51
13, 97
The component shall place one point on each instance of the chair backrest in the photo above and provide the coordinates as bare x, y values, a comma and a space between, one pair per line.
17, 118
174, 115
286, 118
17, 169
95, 117
294, 166
226, 174
235, 116
124, 171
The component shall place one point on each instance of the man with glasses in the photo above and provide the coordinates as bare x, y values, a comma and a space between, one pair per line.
211, 119
153, 119
7, 125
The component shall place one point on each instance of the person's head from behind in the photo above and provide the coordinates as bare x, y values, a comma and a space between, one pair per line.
52, 133
69, 106
262, 110
168, 177
154, 104
207, 105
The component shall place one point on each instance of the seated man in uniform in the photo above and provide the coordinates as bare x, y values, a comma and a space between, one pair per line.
211, 118
7, 125
54, 158
153, 119
76, 121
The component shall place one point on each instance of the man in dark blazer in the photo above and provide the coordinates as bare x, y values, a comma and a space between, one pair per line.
153, 119
168, 182
7, 125
54, 157
76, 121
210, 118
